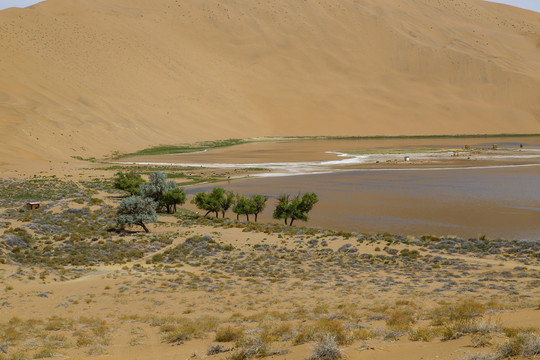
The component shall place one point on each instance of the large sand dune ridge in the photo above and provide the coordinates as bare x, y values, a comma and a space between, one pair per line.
85, 78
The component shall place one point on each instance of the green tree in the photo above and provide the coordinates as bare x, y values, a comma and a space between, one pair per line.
226, 200
257, 203
216, 201
136, 210
128, 181
296, 208
241, 207
172, 198
156, 187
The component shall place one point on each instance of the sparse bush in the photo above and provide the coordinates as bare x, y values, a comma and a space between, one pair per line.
460, 311
531, 345
250, 348
228, 334
481, 356
423, 334
216, 349
44, 353
481, 340
326, 349
400, 319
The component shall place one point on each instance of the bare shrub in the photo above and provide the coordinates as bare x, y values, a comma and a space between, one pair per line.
531, 345
326, 349
216, 349
481, 356
250, 348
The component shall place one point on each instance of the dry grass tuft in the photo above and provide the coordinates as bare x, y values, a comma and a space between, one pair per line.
400, 319
228, 334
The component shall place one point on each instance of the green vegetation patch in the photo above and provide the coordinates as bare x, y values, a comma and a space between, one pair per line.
182, 149
206, 145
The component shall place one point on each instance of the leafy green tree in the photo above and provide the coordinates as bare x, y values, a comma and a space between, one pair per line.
241, 207
128, 181
283, 208
136, 210
172, 198
226, 201
156, 187
257, 203
296, 208
214, 202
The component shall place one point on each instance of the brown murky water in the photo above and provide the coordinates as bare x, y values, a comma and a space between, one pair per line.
502, 202
497, 201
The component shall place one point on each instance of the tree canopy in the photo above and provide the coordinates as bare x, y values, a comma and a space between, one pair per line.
129, 181
296, 208
172, 198
136, 210
216, 201
241, 207
156, 187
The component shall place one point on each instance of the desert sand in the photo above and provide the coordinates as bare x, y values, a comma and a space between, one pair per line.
195, 284
95, 79
86, 78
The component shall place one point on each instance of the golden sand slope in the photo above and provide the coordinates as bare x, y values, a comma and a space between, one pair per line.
89, 77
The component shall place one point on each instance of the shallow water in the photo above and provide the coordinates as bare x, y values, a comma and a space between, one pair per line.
497, 202
322, 156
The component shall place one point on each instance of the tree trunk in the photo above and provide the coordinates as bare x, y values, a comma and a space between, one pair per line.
256, 217
237, 216
174, 209
247, 217
285, 221
144, 227
217, 214
292, 219
208, 212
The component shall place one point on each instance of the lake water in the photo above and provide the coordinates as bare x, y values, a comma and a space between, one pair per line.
498, 202
491, 192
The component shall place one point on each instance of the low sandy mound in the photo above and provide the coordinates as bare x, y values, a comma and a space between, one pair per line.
84, 78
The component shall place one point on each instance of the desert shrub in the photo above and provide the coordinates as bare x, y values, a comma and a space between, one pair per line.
363, 334
326, 349
249, 348
481, 340
56, 323
324, 327
531, 345
18, 355
423, 334
462, 310
216, 349
511, 347
177, 330
400, 319
481, 356
44, 353
525, 343
228, 334
278, 332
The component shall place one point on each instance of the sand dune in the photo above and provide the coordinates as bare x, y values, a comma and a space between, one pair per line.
86, 78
